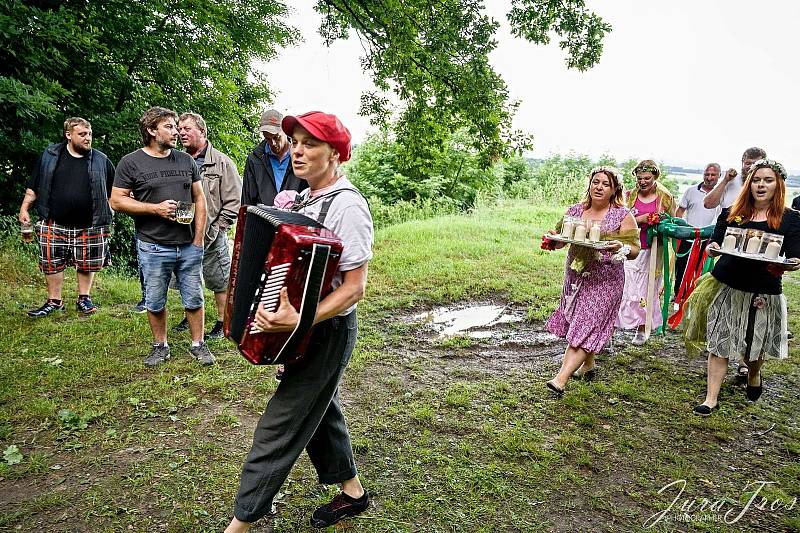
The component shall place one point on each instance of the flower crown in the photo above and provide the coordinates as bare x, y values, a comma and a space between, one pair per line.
768, 163
646, 168
611, 170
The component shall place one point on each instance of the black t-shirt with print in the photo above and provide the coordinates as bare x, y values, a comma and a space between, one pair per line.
153, 180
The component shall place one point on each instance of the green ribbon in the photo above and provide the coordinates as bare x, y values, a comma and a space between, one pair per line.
677, 229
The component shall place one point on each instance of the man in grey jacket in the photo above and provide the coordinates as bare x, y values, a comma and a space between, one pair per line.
223, 189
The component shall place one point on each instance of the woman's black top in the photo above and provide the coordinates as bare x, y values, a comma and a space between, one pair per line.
750, 275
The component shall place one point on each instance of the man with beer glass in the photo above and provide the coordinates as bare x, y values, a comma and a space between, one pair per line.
164, 183
69, 185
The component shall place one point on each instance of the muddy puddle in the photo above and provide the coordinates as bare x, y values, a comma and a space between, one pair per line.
471, 321
497, 325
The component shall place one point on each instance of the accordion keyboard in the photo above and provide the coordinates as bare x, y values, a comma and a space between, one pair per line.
270, 294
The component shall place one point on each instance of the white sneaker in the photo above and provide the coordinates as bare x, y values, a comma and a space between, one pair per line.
639, 338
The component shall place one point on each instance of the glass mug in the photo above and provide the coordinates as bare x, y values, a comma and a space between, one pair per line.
184, 214
734, 239
568, 226
27, 232
752, 243
771, 244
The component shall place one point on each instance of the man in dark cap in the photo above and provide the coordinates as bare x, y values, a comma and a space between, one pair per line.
268, 170
305, 411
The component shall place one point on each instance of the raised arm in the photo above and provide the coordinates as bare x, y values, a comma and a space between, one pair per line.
714, 198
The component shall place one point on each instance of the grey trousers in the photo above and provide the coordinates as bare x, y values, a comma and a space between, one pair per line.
304, 412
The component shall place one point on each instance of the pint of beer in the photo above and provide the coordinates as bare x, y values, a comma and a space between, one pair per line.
27, 232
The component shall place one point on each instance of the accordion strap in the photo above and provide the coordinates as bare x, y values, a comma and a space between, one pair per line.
326, 199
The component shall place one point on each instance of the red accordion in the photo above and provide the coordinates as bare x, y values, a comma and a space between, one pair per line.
275, 249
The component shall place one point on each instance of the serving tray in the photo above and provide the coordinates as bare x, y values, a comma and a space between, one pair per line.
598, 245
757, 257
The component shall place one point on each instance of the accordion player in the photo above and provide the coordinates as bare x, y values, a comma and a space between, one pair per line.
275, 249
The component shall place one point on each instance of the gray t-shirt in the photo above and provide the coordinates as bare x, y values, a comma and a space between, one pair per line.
153, 180
350, 219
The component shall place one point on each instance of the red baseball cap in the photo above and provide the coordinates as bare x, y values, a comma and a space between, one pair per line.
324, 127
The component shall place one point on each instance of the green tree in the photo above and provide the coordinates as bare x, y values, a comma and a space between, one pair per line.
383, 168
433, 55
109, 60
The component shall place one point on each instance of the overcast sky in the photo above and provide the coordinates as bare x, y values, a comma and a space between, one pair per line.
684, 82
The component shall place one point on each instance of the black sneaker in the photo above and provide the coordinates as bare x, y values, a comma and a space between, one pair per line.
341, 506
181, 326
140, 307
202, 354
158, 355
217, 332
85, 306
48, 308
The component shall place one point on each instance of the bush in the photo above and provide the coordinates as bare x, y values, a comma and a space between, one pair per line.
123, 254
386, 214
382, 168
562, 180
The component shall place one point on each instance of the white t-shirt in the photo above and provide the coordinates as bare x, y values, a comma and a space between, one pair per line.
696, 214
349, 218
731, 192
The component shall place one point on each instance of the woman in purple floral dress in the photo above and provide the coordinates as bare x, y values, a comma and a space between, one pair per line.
593, 280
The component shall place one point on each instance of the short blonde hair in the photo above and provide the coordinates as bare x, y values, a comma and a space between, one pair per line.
71, 122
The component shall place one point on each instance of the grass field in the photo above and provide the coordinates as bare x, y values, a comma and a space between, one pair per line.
454, 434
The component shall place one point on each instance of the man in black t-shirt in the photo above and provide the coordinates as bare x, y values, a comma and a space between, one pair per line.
158, 185
70, 185
796, 203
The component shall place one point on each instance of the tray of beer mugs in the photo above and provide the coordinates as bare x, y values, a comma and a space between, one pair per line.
575, 230
754, 244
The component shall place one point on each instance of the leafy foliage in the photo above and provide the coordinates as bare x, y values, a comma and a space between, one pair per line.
581, 30
71, 421
434, 57
382, 167
12, 455
108, 61
563, 179
455, 180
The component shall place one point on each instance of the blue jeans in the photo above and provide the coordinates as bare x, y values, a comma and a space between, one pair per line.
158, 262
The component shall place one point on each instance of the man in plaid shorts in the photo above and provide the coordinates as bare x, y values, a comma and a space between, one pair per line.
70, 186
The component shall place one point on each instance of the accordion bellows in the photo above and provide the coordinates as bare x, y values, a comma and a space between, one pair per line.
275, 249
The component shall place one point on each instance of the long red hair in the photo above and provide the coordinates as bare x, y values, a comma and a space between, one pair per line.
744, 206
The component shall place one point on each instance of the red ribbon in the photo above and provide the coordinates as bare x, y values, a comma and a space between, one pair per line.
689, 281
